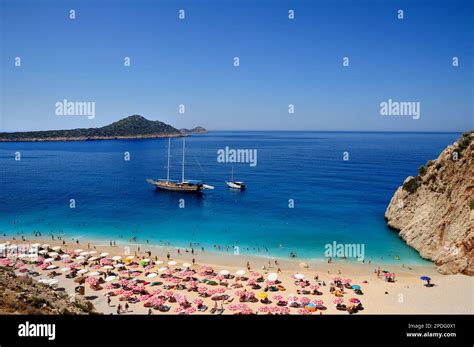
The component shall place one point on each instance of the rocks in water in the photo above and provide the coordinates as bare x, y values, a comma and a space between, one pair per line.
434, 211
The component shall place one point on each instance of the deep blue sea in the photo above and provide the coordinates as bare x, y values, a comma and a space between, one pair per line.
334, 200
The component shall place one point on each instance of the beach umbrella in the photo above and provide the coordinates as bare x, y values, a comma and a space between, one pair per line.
84, 253
272, 276
81, 257
104, 254
107, 267
224, 272
93, 258
172, 262
262, 295
119, 265
110, 278
51, 267
65, 269
354, 300
304, 265
240, 272
152, 275
117, 258
161, 269
355, 287
92, 252
52, 282
425, 278
298, 276
56, 248
94, 273
49, 260
338, 301
64, 256
187, 265
43, 251
78, 250
83, 271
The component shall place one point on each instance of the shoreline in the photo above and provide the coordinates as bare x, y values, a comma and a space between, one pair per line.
451, 293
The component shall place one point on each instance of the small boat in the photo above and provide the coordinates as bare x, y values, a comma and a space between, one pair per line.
235, 184
188, 186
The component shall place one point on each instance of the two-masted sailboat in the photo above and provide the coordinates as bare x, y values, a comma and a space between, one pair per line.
235, 184
188, 186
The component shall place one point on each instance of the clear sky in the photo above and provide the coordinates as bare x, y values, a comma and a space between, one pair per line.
282, 61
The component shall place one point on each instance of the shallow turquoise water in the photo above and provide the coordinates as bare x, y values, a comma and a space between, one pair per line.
335, 200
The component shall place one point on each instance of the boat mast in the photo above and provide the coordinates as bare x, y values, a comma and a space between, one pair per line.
182, 170
168, 172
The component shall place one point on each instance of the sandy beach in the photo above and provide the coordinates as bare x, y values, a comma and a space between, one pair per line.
407, 294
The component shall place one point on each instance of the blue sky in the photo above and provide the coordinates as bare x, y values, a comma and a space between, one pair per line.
283, 62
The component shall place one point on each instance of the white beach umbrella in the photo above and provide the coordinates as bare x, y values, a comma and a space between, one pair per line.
272, 276
224, 272
107, 267
83, 271
56, 248
92, 252
158, 262
298, 276
81, 257
110, 278
51, 267
43, 251
187, 265
84, 253
53, 254
65, 269
48, 260
94, 273
104, 254
161, 269
64, 256
119, 265
92, 258
172, 262
53, 282
240, 272
152, 275
117, 258
78, 250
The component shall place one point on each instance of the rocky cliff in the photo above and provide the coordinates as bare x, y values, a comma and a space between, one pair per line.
23, 295
434, 211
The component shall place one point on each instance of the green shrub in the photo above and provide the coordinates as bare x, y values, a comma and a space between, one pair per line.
421, 170
411, 186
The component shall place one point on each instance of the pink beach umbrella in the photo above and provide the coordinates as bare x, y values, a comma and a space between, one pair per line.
302, 311
198, 301
284, 310
264, 309
338, 301
305, 301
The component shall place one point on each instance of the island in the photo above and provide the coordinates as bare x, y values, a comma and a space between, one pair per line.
132, 127
193, 131
433, 212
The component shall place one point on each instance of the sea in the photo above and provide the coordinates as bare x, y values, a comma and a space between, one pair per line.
305, 191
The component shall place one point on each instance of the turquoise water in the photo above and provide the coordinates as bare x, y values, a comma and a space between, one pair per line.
334, 200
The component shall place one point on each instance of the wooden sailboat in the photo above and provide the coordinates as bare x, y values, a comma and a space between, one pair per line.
235, 184
188, 186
